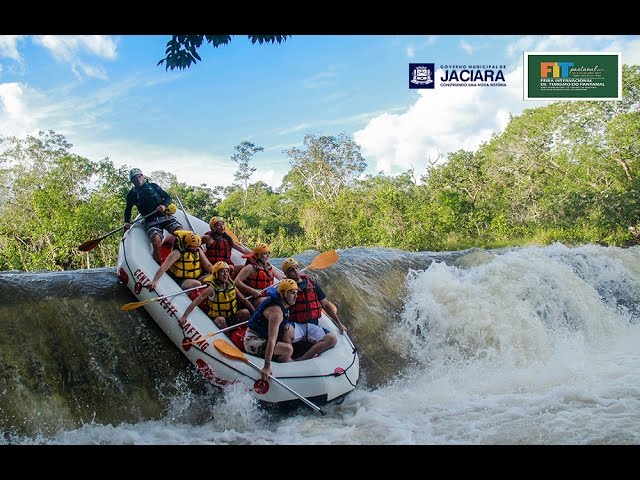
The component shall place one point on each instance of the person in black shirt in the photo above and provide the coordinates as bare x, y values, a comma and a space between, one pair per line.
150, 198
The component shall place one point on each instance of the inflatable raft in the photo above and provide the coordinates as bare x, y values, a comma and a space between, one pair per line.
327, 377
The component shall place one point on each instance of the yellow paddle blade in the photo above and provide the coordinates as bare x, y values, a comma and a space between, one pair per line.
324, 260
134, 305
229, 350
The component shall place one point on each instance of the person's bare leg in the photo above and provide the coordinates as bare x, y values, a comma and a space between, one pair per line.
156, 242
282, 352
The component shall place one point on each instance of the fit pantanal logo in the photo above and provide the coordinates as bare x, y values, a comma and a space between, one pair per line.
572, 76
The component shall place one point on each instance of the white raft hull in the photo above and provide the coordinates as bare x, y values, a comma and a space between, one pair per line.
324, 378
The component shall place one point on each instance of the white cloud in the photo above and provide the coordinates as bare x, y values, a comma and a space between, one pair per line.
9, 46
18, 116
446, 119
193, 168
320, 79
467, 47
412, 50
69, 49
441, 121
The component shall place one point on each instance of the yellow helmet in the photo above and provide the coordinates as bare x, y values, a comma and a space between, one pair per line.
189, 238
288, 263
261, 248
213, 221
220, 266
287, 284
171, 209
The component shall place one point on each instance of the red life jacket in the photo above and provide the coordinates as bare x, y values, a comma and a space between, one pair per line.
220, 249
262, 277
307, 307
237, 336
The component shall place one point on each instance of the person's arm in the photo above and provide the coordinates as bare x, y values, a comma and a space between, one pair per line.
170, 260
274, 315
332, 312
127, 210
278, 275
240, 279
244, 300
240, 248
196, 301
204, 261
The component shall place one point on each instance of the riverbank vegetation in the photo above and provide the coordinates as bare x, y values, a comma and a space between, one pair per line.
566, 172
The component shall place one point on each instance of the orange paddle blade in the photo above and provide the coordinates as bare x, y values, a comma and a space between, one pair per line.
324, 260
233, 236
229, 350
89, 245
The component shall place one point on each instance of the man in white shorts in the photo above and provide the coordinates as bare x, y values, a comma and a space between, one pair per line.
307, 310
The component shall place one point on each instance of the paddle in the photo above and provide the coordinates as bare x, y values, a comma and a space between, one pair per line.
134, 305
233, 236
233, 352
323, 260
185, 214
91, 244
320, 261
212, 334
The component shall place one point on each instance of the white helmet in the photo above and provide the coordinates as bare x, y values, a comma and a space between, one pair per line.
133, 172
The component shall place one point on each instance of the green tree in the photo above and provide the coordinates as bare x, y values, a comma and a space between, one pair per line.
182, 50
244, 154
328, 165
55, 200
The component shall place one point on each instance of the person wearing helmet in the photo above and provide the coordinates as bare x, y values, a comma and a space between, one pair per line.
222, 296
258, 273
218, 245
150, 199
186, 263
306, 312
269, 332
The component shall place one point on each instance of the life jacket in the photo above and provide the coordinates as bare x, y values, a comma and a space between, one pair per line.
165, 249
147, 197
220, 249
262, 276
237, 336
223, 302
259, 323
188, 265
307, 307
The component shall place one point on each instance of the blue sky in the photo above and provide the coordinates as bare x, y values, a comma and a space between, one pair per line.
108, 97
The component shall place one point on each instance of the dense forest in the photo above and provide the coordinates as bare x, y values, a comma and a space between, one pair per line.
565, 172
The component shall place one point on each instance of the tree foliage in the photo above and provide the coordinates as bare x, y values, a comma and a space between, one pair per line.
244, 153
568, 172
182, 50
327, 166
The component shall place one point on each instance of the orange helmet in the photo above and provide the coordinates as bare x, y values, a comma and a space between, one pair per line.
287, 284
189, 238
261, 248
288, 263
219, 266
213, 221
